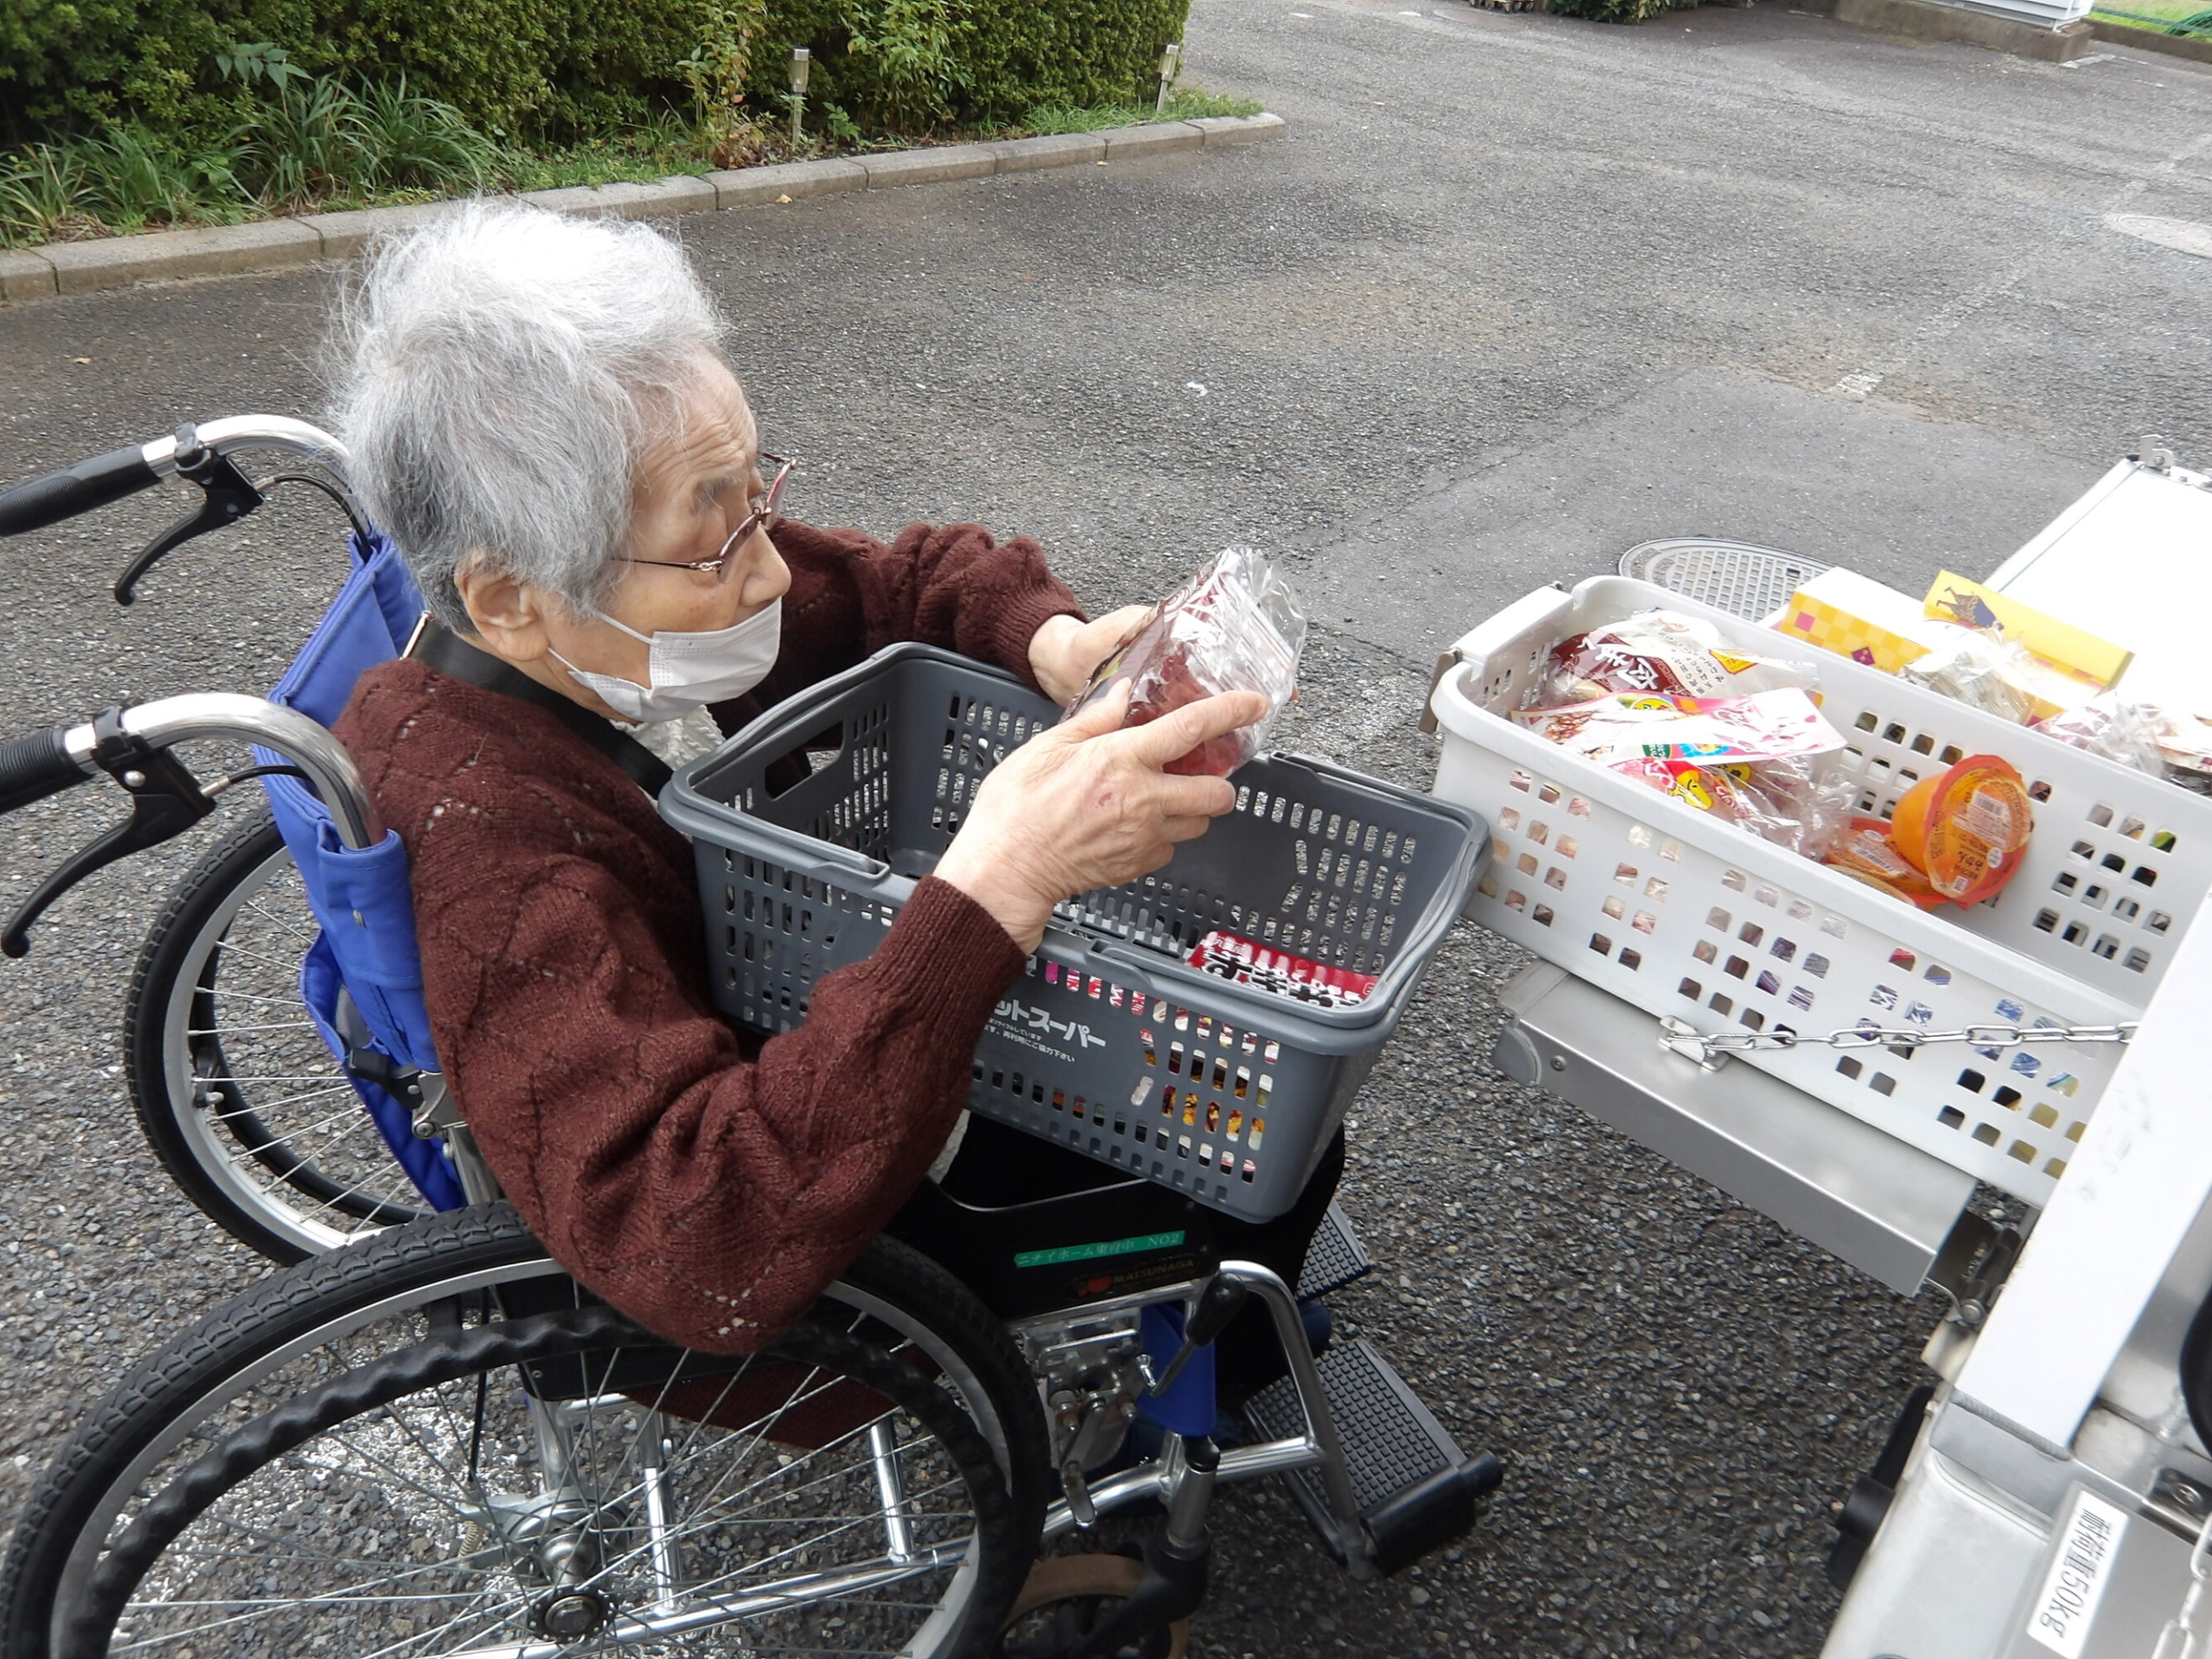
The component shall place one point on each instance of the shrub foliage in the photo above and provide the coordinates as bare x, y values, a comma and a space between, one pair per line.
527, 70
1618, 11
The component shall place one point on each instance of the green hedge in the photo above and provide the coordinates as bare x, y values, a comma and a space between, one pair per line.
1620, 11
563, 69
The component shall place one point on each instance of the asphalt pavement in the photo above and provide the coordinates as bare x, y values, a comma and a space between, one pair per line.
1514, 293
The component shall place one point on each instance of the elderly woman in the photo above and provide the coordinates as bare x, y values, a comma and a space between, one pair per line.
541, 416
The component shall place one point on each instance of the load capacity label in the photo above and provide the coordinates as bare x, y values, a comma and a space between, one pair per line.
2067, 1605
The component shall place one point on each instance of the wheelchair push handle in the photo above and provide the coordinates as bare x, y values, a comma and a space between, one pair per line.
81, 488
133, 746
198, 453
42, 764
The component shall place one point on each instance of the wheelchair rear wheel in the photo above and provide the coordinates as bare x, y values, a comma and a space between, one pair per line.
430, 1443
237, 1094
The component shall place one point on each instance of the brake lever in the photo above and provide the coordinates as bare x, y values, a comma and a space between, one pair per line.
165, 801
1220, 1302
226, 496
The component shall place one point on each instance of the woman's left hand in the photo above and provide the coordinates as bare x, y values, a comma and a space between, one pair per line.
1064, 652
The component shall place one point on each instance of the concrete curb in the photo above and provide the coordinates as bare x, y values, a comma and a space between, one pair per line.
1937, 20
2148, 39
68, 268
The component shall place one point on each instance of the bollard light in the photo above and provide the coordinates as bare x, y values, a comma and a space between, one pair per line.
1170, 61
801, 61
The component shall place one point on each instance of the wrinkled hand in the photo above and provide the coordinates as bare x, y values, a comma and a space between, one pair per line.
1086, 804
1063, 652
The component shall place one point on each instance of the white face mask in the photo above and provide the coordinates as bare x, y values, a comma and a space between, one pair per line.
689, 670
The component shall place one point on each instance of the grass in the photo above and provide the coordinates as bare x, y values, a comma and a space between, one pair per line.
1184, 103
2156, 17
313, 144
314, 140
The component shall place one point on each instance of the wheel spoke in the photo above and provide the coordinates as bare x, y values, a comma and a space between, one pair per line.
289, 1158
371, 1493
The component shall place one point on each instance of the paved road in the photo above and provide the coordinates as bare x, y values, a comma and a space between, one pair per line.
1515, 293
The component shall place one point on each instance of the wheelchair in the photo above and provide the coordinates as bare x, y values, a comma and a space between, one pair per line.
423, 1437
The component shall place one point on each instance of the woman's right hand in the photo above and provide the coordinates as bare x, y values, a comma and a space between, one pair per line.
1085, 805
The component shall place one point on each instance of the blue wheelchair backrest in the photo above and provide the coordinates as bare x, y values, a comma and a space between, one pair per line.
360, 898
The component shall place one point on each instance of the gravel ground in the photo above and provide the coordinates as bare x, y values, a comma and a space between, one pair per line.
1514, 293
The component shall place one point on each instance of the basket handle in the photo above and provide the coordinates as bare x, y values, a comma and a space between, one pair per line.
1114, 961
804, 856
800, 716
1357, 782
1483, 641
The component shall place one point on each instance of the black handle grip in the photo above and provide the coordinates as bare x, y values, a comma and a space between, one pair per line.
1219, 1304
76, 489
34, 767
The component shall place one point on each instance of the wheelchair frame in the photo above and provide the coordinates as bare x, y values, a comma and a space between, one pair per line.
1089, 1358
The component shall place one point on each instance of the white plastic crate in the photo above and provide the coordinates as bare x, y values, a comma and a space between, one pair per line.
1685, 915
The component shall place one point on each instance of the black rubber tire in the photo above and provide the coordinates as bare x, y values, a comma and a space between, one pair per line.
1066, 1597
538, 1338
163, 960
415, 1259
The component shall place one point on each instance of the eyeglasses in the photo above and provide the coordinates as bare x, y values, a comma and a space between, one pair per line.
763, 509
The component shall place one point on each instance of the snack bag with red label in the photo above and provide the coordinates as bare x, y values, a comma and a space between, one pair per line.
1263, 967
1662, 653
1234, 627
1753, 761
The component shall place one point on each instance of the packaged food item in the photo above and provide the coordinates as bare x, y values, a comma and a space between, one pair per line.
1750, 760
1966, 827
2129, 732
1661, 653
1616, 728
1867, 851
2184, 743
1234, 626
2082, 664
2144, 735
1963, 639
1982, 671
1857, 617
1784, 801
1249, 963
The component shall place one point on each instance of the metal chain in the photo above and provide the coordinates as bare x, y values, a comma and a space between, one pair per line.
1685, 1038
2184, 1638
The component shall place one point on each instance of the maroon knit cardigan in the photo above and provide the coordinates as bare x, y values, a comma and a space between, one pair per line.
708, 1196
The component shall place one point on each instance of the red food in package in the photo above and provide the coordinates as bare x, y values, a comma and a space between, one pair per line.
1168, 689
1234, 627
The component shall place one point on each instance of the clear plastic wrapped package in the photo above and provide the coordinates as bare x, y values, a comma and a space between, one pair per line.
1752, 760
1980, 669
2130, 733
1789, 801
1234, 626
1662, 653
2184, 743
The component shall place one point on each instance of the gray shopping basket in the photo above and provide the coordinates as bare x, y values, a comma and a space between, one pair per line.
1109, 1043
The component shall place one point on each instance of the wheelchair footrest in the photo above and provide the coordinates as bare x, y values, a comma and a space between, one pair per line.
1334, 1258
1414, 1487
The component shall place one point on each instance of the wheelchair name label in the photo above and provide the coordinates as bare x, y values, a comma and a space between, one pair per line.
1036, 1028
1092, 1252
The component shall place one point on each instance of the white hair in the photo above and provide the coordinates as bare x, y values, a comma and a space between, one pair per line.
501, 371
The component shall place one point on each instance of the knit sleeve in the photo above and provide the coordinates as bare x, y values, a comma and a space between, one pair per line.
709, 1197
954, 586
